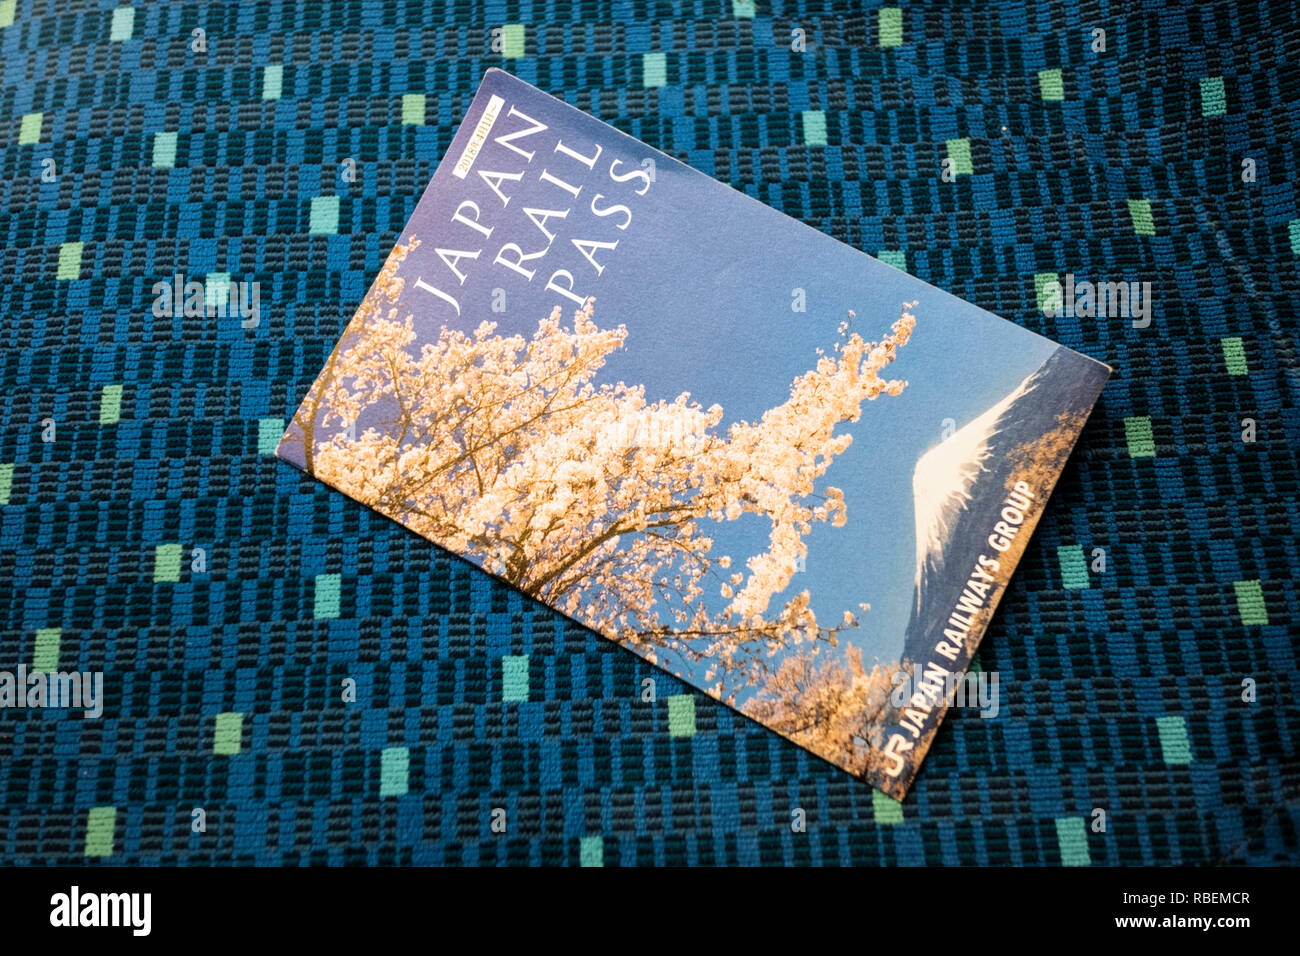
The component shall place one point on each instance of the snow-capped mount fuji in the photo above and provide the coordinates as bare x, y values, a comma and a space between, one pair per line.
960, 485
945, 482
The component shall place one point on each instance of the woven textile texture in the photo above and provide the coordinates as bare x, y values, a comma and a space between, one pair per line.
291, 678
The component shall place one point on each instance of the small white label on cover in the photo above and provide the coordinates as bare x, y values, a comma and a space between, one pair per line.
478, 137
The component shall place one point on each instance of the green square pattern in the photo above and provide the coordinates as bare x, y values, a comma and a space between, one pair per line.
328, 587
654, 70
1214, 98
1051, 85
893, 257
743, 9
413, 105
514, 678
814, 127
1047, 291
29, 130
70, 260
216, 290
324, 215
1072, 838
512, 41
164, 149
591, 851
45, 651
1173, 740
167, 563
269, 432
1250, 602
890, 22
6, 482
273, 81
123, 24
1293, 230
681, 715
394, 772
1074, 566
887, 810
7, 8
110, 405
1139, 211
1234, 356
959, 153
1141, 439
227, 733
100, 824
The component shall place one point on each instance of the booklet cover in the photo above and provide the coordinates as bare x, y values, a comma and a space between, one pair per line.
789, 473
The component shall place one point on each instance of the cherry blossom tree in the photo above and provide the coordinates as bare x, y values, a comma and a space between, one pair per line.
832, 705
588, 495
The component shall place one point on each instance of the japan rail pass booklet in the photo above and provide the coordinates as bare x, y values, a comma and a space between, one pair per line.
793, 475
